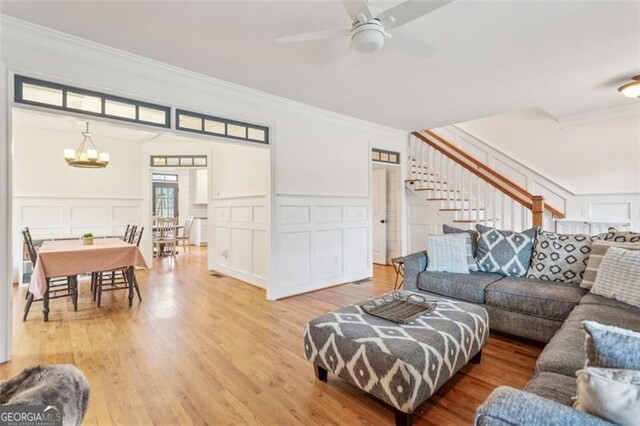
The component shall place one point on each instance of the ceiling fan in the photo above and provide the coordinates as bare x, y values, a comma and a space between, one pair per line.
369, 31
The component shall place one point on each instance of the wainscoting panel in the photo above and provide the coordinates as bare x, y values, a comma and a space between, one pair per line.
239, 240
60, 217
321, 241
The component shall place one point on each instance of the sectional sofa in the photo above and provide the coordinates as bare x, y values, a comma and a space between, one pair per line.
540, 310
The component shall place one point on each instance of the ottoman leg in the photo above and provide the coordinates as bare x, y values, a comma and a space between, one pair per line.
403, 419
321, 373
477, 358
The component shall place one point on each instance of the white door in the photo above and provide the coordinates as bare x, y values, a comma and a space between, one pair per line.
379, 215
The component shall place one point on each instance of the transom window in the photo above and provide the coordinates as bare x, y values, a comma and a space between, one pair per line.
382, 156
178, 161
58, 96
163, 177
216, 126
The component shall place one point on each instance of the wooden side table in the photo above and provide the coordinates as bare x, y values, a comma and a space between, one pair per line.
398, 266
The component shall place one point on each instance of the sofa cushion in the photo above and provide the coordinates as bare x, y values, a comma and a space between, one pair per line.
596, 299
540, 298
564, 354
468, 287
555, 387
559, 257
618, 316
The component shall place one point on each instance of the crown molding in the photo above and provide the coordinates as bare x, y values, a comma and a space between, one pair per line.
41, 38
633, 109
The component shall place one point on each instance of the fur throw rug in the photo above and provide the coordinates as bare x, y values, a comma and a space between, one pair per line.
63, 386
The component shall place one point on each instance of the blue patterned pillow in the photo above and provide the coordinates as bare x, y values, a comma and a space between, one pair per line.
505, 252
611, 347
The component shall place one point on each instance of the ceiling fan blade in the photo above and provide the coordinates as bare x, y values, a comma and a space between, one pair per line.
358, 8
408, 11
400, 42
315, 35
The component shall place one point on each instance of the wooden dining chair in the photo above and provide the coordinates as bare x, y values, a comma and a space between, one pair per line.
57, 287
184, 240
116, 279
165, 235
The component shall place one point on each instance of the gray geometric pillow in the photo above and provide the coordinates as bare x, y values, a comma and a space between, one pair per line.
473, 244
559, 257
622, 236
504, 252
611, 347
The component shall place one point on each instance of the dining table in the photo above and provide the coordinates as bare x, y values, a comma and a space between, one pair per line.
70, 258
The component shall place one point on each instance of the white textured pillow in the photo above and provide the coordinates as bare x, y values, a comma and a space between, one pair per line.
448, 253
609, 393
619, 276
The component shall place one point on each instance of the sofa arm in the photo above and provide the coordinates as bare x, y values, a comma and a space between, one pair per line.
508, 406
413, 265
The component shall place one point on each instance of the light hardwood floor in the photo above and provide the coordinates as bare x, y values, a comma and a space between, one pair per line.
200, 349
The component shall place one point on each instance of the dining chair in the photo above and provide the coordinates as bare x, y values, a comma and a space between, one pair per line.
116, 279
184, 240
165, 235
57, 287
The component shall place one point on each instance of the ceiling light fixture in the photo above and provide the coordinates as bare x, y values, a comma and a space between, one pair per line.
631, 90
87, 156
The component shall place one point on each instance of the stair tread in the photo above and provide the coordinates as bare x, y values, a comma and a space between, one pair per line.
460, 210
436, 189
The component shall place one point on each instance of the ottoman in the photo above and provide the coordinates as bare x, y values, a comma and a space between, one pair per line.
401, 364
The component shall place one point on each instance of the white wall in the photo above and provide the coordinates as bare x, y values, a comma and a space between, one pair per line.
598, 153
239, 242
6, 263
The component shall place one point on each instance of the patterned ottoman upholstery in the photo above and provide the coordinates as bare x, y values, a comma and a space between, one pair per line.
403, 365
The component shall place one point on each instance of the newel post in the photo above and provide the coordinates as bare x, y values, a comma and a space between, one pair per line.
537, 210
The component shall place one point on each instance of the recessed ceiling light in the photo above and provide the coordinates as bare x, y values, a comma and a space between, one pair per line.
631, 90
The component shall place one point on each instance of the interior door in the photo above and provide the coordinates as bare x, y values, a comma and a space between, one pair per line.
379, 215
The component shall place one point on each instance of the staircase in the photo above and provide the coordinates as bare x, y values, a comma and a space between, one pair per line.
451, 186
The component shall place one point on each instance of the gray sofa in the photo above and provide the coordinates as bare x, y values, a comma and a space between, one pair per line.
539, 310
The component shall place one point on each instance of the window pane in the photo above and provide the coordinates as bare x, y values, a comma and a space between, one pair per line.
214, 127
188, 122
159, 161
173, 161
375, 155
393, 158
158, 177
384, 156
200, 161
256, 134
120, 109
237, 131
41, 94
188, 161
171, 178
84, 102
152, 115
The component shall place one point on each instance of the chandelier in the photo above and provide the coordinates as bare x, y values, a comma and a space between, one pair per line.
86, 156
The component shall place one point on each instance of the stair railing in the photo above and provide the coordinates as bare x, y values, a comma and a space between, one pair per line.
464, 184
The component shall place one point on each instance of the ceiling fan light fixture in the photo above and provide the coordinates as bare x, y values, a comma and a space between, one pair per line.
631, 90
368, 38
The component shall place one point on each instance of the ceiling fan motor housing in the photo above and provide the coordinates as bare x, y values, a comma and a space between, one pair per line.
368, 37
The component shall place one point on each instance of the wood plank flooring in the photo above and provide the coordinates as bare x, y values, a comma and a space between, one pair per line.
207, 350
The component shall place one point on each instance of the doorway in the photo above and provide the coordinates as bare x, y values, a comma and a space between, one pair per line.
165, 196
385, 199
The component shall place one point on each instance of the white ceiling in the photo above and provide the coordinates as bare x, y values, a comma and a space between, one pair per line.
566, 57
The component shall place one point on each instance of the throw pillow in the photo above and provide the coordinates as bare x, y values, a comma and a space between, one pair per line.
504, 252
472, 247
609, 393
598, 250
622, 236
448, 253
559, 257
611, 347
619, 276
